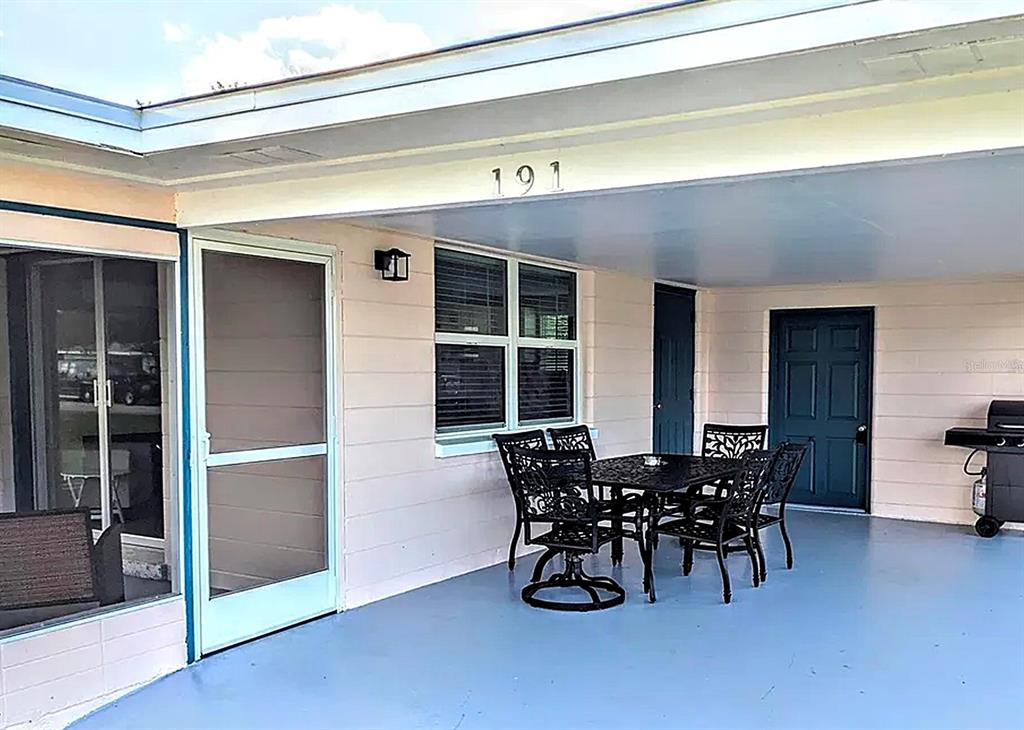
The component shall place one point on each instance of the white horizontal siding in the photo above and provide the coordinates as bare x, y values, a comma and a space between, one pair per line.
943, 351
411, 518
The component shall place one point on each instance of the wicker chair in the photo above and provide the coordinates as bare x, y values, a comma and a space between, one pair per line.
789, 457
49, 566
557, 493
718, 525
506, 442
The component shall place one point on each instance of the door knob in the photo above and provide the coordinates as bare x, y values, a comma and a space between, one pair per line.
657, 406
862, 434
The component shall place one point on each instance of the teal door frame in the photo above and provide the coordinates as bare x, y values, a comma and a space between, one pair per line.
862, 316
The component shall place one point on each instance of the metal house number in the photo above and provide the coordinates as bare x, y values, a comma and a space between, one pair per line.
525, 178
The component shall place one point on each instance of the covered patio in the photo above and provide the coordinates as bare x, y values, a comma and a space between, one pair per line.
881, 624
806, 223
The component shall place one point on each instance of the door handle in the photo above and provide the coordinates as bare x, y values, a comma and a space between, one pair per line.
657, 406
862, 434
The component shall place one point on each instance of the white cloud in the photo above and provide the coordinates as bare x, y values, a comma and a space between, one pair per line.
175, 32
335, 37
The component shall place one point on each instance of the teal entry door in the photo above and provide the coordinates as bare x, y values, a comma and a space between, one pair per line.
820, 386
673, 369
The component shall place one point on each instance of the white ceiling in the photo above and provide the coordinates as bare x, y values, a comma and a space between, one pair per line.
925, 219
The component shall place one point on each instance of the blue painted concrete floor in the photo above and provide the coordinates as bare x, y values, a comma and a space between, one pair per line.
881, 624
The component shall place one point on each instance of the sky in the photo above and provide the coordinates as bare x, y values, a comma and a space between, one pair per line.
145, 51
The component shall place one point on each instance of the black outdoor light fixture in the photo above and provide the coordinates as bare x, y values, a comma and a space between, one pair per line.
392, 264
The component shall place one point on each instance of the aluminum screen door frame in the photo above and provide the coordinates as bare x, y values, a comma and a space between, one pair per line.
246, 614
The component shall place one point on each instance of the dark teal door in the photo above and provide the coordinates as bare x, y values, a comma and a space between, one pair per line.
673, 370
820, 385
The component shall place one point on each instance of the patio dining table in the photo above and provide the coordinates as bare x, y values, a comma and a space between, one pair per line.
678, 474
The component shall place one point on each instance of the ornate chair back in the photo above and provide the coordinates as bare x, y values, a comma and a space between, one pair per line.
554, 486
732, 442
524, 439
574, 438
745, 492
789, 457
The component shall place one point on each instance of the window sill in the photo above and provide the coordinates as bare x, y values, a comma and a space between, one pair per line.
452, 446
17, 633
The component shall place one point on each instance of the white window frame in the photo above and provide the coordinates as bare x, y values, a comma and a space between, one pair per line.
477, 439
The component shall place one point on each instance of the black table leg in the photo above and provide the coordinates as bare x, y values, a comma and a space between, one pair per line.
617, 525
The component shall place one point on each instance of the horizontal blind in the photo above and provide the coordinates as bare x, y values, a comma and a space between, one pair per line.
547, 303
470, 386
469, 293
546, 384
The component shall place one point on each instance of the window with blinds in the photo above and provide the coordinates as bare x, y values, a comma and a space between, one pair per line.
470, 293
493, 374
547, 303
470, 386
546, 384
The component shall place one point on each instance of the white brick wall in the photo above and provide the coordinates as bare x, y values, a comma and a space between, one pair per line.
51, 678
943, 350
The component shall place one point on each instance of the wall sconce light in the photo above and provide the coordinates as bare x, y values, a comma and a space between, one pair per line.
392, 264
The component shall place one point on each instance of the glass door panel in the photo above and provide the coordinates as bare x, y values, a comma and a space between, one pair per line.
66, 375
267, 490
131, 313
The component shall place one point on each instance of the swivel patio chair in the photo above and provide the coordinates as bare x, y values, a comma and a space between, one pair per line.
781, 476
577, 438
557, 493
718, 524
505, 442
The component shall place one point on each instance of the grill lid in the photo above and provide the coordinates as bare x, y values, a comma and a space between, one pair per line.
1006, 415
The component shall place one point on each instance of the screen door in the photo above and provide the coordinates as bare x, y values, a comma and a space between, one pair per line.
264, 355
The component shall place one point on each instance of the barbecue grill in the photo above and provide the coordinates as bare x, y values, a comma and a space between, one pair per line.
998, 495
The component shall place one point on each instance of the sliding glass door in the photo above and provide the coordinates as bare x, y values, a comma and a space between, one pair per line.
96, 389
263, 345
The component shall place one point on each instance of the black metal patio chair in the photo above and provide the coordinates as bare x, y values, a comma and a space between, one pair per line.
557, 494
781, 476
720, 440
577, 438
720, 524
505, 442
732, 442
572, 438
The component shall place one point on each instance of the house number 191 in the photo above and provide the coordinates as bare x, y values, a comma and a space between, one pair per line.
525, 178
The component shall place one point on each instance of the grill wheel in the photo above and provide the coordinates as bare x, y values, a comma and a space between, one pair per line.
987, 526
